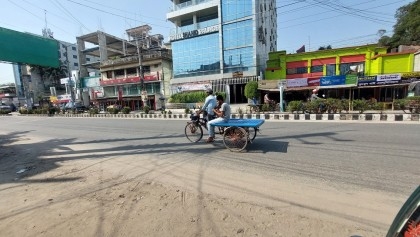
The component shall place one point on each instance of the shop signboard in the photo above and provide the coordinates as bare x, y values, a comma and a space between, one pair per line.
152, 77
385, 79
191, 87
67, 80
351, 80
388, 79
313, 81
333, 80
268, 84
61, 98
297, 82
366, 81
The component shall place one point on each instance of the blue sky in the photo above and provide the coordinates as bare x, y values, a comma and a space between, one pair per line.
312, 23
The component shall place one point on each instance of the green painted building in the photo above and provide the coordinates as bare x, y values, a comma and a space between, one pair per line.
351, 72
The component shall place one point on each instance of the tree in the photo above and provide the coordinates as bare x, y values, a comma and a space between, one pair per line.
406, 30
50, 75
385, 41
325, 47
251, 90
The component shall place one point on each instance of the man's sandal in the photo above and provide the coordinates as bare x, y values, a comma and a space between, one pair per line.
210, 139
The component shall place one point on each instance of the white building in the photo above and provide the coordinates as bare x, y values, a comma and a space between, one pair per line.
221, 42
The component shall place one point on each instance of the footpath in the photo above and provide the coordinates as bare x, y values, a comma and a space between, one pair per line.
383, 116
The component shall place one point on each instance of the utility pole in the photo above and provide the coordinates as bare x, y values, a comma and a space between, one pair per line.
69, 82
143, 90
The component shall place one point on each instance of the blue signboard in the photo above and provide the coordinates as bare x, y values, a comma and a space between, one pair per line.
333, 80
367, 80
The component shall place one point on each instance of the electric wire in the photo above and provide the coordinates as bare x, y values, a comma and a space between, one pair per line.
70, 14
40, 18
333, 6
114, 14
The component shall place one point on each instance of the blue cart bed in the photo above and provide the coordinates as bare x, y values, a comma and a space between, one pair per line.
244, 123
239, 132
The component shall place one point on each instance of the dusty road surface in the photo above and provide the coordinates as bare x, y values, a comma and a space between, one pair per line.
67, 186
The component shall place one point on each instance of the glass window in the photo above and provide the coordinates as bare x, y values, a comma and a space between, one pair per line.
76, 64
109, 91
233, 9
297, 70
119, 73
88, 59
207, 17
196, 56
331, 70
109, 74
153, 88
74, 56
186, 22
132, 89
356, 68
146, 69
131, 71
238, 34
318, 68
238, 59
73, 48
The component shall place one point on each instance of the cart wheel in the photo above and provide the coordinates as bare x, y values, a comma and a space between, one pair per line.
193, 132
252, 133
235, 138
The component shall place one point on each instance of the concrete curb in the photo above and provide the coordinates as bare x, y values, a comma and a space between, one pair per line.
274, 117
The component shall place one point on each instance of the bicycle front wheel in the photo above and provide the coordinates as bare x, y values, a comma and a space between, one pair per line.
193, 132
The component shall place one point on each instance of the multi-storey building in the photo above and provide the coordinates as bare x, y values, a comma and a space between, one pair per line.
121, 82
356, 72
221, 42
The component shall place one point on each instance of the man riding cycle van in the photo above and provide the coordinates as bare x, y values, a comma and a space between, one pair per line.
222, 112
209, 105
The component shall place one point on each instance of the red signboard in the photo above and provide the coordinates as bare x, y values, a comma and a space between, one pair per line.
313, 81
129, 80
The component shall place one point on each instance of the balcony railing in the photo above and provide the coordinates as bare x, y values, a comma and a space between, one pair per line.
187, 4
133, 59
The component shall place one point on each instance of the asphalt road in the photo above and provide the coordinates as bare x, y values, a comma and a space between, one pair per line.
336, 157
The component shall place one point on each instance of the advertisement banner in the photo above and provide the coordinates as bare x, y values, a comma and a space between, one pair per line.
191, 87
313, 81
67, 80
379, 80
152, 77
268, 84
366, 81
61, 98
388, 77
297, 82
333, 80
351, 80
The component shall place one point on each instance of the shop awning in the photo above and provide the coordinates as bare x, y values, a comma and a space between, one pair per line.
271, 90
303, 88
337, 87
390, 85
